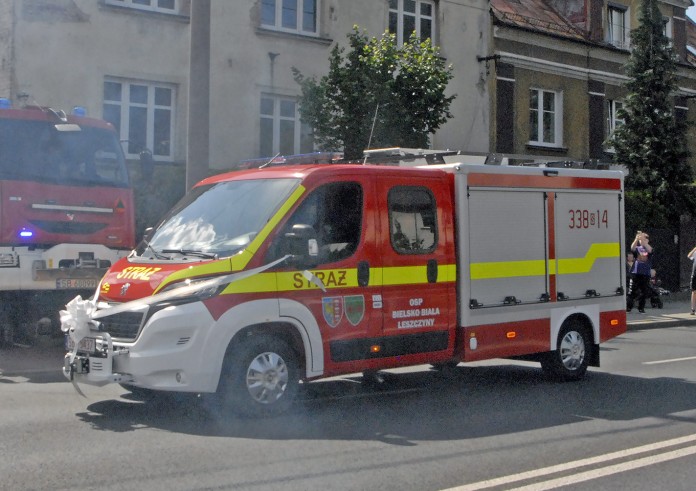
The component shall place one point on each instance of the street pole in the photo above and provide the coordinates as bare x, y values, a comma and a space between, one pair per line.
198, 148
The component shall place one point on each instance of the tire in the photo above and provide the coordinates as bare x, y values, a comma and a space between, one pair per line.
260, 377
570, 360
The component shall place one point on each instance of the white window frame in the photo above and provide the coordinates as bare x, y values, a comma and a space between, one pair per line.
557, 112
667, 28
277, 25
396, 7
613, 121
300, 128
125, 105
152, 7
618, 26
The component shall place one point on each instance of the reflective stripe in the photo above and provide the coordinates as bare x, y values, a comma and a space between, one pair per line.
288, 281
507, 269
584, 265
536, 267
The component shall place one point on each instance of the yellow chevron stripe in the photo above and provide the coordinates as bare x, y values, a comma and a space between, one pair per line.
536, 267
585, 264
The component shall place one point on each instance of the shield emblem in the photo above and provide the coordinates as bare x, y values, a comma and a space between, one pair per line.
332, 307
355, 308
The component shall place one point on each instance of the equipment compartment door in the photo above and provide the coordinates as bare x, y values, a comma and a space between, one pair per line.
507, 247
588, 244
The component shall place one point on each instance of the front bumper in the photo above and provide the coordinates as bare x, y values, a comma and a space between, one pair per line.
168, 354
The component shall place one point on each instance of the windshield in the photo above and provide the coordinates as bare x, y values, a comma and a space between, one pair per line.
80, 156
218, 220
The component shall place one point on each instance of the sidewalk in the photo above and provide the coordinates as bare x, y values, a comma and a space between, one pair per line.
676, 311
17, 360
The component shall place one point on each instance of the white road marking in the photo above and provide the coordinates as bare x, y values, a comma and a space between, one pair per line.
545, 471
608, 470
673, 360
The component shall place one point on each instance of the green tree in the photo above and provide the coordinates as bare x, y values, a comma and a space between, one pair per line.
377, 94
652, 142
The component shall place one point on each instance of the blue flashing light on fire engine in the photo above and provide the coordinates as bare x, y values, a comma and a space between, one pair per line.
25, 234
79, 111
5, 103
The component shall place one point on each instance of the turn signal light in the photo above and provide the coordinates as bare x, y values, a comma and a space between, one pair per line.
511, 335
375, 348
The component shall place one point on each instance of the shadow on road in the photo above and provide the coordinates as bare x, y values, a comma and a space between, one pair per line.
470, 402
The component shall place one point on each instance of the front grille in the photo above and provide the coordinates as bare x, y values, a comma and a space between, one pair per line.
56, 227
123, 326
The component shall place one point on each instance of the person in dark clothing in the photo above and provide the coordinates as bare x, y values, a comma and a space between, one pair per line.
692, 256
639, 285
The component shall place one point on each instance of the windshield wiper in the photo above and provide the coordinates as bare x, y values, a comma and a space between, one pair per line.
155, 252
190, 252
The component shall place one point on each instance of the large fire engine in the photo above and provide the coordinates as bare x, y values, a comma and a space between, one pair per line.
261, 278
66, 214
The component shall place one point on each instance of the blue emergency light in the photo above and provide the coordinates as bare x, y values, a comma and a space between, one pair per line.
79, 111
5, 103
25, 234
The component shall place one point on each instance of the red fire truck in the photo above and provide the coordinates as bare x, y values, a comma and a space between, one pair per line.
262, 278
66, 214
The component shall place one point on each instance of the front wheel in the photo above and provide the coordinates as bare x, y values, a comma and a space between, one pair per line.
570, 360
260, 377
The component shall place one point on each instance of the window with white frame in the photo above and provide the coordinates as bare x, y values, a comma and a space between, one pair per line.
545, 118
143, 113
407, 16
167, 6
667, 27
613, 119
618, 27
282, 132
298, 16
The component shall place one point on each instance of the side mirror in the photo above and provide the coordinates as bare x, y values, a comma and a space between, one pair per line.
301, 243
147, 235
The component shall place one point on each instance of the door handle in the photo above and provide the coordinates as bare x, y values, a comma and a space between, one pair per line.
363, 273
432, 271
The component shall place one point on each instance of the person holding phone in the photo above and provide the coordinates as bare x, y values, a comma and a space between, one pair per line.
639, 285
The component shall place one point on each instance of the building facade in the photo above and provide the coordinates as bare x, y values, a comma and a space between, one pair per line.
131, 62
559, 78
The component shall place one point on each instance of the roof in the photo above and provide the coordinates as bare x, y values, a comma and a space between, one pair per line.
535, 15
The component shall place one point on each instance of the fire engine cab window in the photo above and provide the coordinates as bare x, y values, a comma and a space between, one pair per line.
412, 220
335, 212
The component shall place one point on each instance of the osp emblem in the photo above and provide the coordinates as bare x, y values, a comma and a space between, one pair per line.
355, 308
124, 289
332, 307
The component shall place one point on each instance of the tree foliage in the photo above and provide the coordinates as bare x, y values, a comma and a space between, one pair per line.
652, 142
377, 94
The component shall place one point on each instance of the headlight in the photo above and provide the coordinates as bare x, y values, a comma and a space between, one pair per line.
192, 290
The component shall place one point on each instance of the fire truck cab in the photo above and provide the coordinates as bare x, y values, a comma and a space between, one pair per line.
264, 277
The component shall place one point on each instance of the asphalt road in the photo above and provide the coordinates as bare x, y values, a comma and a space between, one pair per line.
492, 425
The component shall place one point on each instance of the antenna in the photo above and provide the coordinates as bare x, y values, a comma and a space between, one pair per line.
372, 130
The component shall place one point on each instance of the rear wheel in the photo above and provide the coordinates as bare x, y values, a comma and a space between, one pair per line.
260, 377
570, 360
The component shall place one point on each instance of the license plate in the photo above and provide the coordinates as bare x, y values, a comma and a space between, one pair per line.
71, 283
87, 345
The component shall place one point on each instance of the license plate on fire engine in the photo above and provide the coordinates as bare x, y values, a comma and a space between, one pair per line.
69, 283
87, 345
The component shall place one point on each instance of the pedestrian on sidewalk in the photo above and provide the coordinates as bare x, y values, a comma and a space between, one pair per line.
692, 256
640, 273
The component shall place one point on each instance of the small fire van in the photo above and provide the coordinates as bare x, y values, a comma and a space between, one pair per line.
262, 278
